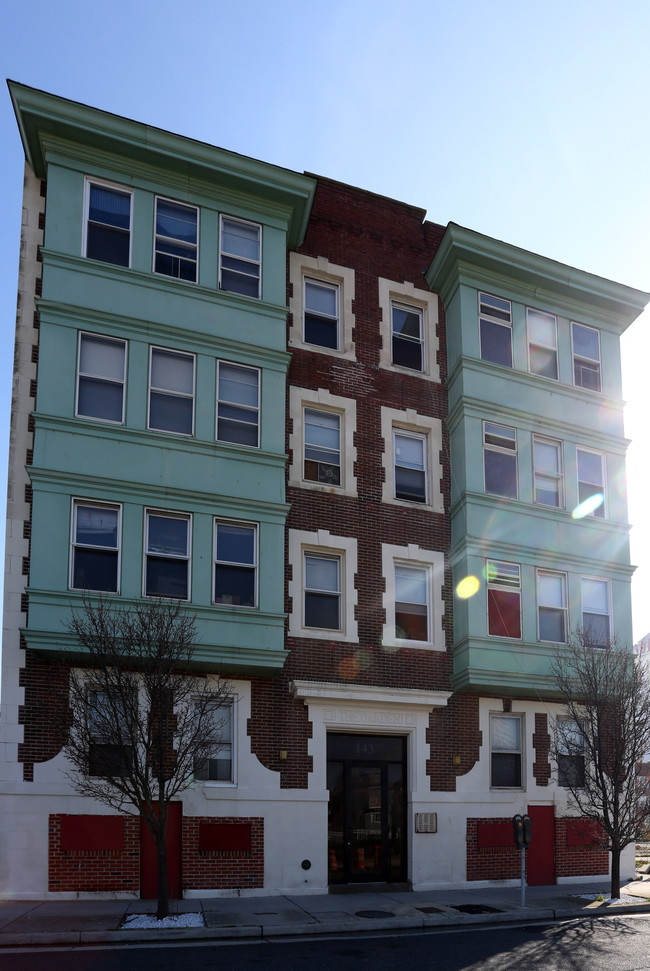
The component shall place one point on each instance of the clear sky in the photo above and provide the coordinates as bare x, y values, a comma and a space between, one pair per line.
525, 121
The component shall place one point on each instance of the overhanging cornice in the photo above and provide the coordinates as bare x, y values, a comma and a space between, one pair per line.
40, 114
463, 252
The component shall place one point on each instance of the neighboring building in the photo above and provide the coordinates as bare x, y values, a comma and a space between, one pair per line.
383, 728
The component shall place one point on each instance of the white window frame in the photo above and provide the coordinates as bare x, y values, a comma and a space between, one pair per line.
232, 703
554, 477
95, 504
99, 377
301, 399
489, 313
608, 613
410, 423
501, 450
334, 320
601, 511
175, 240
564, 607
409, 297
224, 217
320, 270
336, 594
313, 417
433, 561
325, 544
564, 744
503, 581
404, 433
167, 514
410, 341
575, 358
254, 411
116, 187
533, 345
520, 751
169, 393
253, 567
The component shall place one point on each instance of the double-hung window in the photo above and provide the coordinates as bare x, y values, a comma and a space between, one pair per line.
500, 459
503, 598
95, 547
176, 243
591, 482
167, 556
407, 337
495, 328
412, 599
101, 377
410, 466
240, 257
542, 343
238, 404
586, 357
505, 751
321, 325
547, 461
109, 751
551, 606
322, 604
235, 563
322, 447
570, 745
595, 611
108, 223
218, 766
171, 391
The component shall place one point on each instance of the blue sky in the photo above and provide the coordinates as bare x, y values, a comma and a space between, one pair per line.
527, 122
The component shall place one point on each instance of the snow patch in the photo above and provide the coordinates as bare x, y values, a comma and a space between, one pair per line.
132, 921
625, 898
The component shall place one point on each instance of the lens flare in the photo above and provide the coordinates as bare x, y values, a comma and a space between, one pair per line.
349, 668
589, 506
468, 587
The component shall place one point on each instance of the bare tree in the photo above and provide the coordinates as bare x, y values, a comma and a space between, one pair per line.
142, 723
599, 745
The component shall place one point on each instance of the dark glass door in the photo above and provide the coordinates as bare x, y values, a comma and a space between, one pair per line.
367, 808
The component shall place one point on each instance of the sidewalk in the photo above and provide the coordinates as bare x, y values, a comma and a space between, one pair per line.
65, 922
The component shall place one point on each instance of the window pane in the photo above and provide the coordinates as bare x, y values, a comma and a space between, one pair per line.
504, 614
551, 625
550, 590
167, 535
500, 474
109, 206
594, 595
172, 372
170, 413
166, 578
321, 331
176, 221
543, 362
321, 573
585, 342
547, 457
94, 569
411, 622
496, 343
240, 239
406, 323
541, 328
234, 585
235, 544
407, 353
590, 467
108, 245
409, 451
596, 627
322, 610
506, 770
410, 585
238, 385
100, 399
101, 357
505, 734
96, 526
321, 299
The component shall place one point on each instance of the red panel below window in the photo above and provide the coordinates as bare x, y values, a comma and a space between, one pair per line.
92, 833
504, 615
495, 834
225, 837
581, 832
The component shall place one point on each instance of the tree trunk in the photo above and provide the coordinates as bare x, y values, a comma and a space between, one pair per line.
163, 887
616, 869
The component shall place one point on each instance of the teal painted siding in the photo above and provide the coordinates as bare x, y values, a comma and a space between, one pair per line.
517, 529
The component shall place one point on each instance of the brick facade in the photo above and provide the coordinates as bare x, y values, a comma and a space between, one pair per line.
542, 746
94, 870
222, 869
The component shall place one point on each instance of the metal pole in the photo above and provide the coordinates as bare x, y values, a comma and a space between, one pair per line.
523, 876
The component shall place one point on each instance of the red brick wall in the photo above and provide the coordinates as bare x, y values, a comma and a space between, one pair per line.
93, 871
580, 860
453, 732
542, 745
222, 870
491, 862
44, 714
377, 237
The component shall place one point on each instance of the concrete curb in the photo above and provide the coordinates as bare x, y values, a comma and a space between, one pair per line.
313, 929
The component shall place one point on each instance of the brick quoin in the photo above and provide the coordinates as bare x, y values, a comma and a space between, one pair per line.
377, 237
222, 869
542, 746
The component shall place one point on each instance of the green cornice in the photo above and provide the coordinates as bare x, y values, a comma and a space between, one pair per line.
468, 256
40, 115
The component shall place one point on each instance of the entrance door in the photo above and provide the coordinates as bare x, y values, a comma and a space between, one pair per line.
149, 856
366, 778
541, 852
